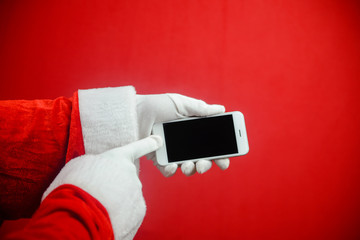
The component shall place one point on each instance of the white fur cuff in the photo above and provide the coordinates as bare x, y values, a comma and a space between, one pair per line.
108, 118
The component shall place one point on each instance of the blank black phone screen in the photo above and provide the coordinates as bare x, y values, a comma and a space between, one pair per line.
200, 138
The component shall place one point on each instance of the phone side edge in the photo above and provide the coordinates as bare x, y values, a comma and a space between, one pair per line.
241, 133
161, 154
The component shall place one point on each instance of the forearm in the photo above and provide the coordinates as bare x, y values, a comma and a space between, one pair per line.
33, 144
68, 213
38, 137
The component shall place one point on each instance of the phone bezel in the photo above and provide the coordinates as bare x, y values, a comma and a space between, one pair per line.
239, 128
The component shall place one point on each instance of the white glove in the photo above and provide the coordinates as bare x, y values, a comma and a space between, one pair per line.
165, 107
111, 178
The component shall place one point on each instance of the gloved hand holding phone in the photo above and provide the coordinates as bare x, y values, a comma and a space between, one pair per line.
165, 107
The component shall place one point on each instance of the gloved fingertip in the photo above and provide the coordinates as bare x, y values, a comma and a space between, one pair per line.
142, 147
223, 164
168, 170
221, 108
188, 168
215, 109
203, 166
157, 139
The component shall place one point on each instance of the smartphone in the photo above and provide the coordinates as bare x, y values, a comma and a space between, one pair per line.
209, 138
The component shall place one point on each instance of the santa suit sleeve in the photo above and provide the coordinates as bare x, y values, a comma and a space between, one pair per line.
38, 137
68, 212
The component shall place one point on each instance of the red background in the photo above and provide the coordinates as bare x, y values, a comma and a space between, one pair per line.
292, 68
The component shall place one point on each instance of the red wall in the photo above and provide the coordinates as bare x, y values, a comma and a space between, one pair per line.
292, 68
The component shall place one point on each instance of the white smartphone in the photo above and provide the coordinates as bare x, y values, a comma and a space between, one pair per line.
195, 138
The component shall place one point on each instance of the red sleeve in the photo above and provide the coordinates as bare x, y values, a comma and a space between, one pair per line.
36, 139
68, 213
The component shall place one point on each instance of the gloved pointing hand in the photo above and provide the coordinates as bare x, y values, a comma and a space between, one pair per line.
111, 177
152, 109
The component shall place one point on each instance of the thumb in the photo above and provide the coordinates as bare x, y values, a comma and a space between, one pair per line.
139, 148
188, 106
